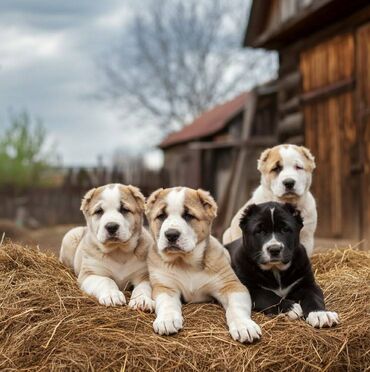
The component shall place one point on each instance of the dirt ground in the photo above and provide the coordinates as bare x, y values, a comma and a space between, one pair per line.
48, 239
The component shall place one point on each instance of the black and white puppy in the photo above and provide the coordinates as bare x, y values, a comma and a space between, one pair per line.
270, 261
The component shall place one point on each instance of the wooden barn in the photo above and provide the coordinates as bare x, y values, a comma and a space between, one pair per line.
219, 150
323, 99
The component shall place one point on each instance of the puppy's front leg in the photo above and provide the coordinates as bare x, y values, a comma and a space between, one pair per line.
313, 306
103, 288
141, 297
237, 304
271, 304
168, 309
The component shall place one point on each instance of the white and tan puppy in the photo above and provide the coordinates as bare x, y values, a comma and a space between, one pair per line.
109, 254
286, 176
188, 264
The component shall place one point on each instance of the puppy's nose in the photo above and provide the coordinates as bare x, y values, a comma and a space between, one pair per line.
112, 227
172, 235
274, 250
289, 183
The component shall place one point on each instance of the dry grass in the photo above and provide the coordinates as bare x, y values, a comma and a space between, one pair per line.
48, 324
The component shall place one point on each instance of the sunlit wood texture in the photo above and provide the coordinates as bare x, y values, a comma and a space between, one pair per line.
363, 98
328, 71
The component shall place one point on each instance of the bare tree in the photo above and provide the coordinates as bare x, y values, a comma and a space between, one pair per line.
180, 58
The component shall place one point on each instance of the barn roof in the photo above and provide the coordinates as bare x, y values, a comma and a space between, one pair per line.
208, 123
306, 18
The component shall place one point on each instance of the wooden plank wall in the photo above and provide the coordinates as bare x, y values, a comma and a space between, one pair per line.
332, 134
363, 99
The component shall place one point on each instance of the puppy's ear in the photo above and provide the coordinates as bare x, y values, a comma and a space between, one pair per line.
138, 196
295, 213
248, 212
86, 200
263, 158
151, 200
208, 203
309, 158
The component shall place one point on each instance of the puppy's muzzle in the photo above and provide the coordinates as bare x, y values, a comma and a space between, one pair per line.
112, 228
275, 252
289, 184
172, 235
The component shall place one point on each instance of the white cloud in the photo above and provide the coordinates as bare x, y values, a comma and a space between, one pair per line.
48, 69
19, 48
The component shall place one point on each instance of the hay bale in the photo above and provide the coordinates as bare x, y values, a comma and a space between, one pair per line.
48, 324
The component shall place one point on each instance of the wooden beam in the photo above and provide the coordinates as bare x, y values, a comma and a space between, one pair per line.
289, 106
290, 81
291, 125
254, 141
328, 90
296, 140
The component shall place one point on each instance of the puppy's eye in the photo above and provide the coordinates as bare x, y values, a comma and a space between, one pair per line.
298, 167
162, 216
286, 229
99, 212
188, 216
123, 210
277, 168
260, 230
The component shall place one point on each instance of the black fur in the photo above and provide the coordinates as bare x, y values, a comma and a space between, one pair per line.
258, 227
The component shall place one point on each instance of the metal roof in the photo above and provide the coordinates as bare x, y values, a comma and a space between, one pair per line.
208, 123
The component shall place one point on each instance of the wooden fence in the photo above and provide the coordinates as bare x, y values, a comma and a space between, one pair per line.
45, 206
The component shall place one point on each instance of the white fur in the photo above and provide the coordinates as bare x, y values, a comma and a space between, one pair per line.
104, 289
320, 319
169, 319
268, 244
122, 273
238, 308
191, 283
110, 203
141, 297
105, 271
291, 158
295, 312
175, 208
305, 204
283, 291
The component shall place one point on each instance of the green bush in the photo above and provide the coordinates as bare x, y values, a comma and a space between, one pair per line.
24, 158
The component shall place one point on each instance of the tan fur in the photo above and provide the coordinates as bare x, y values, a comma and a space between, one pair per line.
123, 262
219, 277
309, 158
196, 275
269, 159
214, 259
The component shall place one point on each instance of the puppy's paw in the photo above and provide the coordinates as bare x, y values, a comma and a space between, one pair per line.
112, 297
142, 302
295, 312
168, 324
244, 330
320, 319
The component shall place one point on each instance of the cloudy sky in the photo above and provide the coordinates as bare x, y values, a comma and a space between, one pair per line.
48, 54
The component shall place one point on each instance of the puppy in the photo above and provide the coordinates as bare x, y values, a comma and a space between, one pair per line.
188, 264
110, 252
286, 176
274, 266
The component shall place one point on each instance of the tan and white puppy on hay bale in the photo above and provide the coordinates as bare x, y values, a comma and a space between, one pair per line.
188, 264
110, 252
286, 176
